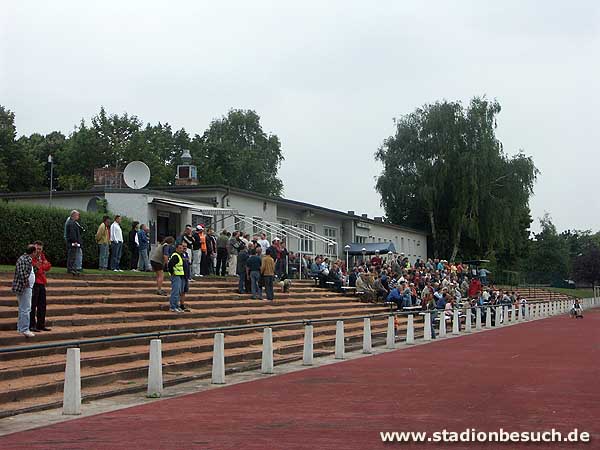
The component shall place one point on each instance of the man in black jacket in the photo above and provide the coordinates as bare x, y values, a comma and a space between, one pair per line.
74, 242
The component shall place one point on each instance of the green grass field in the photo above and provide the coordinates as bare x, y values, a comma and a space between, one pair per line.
581, 293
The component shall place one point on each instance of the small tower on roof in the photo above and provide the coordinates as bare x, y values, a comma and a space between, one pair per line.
187, 174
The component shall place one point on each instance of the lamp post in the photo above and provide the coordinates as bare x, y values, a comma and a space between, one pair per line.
51, 161
364, 253
389, 256
347, 249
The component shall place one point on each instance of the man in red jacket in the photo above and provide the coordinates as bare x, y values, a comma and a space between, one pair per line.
37, 317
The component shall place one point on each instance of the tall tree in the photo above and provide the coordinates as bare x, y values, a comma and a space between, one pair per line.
235, 150
444, 169
549, 256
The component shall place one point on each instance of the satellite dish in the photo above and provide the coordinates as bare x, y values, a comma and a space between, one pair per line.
136, 175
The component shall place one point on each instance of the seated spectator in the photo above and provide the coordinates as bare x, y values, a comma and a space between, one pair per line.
335, 278
352, 277
380, 291
395, 297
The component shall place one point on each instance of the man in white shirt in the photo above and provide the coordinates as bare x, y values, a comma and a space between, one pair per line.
116, 244
264, 244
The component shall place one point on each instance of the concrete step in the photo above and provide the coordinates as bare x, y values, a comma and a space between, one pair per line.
173, 321
237, 349
57, 310
161, 313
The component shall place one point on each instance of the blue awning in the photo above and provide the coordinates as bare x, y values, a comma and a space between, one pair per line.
371, 248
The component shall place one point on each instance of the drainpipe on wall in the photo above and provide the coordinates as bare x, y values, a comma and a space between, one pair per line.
222, 206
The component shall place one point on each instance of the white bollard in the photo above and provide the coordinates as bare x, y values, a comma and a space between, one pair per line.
427, 327
478, 318
488, 317
520, 313
498, 314
528, 311
390, 340
367, 346
505, 315
455, 323
218, 361
155, 378
266, 365
339, 340
410, 330
308, 355
72, 386
468, 321
442, 324
513, 312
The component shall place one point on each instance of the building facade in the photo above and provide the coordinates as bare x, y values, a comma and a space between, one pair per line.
307, 228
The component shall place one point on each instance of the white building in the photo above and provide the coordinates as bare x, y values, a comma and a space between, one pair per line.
308, 228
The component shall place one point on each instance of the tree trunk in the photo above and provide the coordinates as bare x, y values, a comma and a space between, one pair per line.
456, 242
433, 235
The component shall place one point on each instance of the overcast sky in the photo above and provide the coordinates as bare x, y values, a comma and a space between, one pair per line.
327, 77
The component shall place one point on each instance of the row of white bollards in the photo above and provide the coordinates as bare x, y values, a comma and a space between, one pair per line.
503, 315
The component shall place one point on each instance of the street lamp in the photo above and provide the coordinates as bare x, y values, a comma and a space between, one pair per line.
347, 248
51, 161
389, 256
364, 253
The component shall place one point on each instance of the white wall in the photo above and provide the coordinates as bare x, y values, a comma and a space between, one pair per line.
413, 244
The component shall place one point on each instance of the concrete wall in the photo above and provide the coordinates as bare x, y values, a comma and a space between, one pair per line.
132, 204
413, 244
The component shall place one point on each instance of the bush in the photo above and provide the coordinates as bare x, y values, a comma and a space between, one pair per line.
22, 224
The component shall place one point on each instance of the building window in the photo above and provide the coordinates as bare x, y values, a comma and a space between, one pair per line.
238, 223
283, 232
402, 245
331, 234
307, 243
361, 239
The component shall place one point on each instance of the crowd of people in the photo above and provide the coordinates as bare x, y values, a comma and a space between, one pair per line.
434, 285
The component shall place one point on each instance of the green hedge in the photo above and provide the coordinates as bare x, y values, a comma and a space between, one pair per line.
22, 224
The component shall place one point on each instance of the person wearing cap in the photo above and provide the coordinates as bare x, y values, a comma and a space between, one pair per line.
196, 251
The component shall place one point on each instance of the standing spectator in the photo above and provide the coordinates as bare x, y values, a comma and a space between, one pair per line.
233, 248
222, 243
205, 246
116, 244
74, 241
37, 316
103, 240
175, 267
133, 244
159, 258
196, 251
264, 244
253, 265
267, 270
211, 252
185, 282
189, 242
143, 239
22, 285
242, 259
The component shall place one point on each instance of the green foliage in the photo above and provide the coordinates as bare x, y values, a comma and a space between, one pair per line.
233, 151
236, 149
22, 224
445, 170
548, 260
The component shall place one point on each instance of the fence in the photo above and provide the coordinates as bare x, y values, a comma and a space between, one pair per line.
493, 315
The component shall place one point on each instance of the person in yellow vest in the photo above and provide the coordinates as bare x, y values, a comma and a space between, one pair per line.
175, 267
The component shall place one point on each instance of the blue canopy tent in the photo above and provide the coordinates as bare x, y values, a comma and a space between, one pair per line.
383, 248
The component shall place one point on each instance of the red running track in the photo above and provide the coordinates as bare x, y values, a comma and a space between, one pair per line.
530, 377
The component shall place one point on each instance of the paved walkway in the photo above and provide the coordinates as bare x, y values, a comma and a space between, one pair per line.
529, 377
